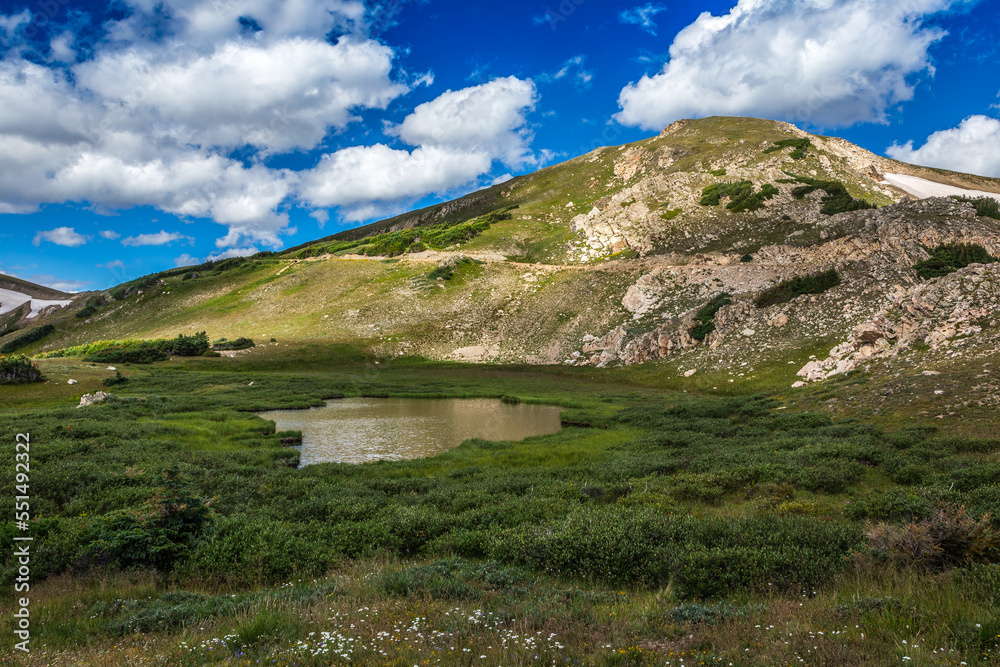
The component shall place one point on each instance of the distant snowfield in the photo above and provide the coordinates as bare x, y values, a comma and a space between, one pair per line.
921, 188
9, 300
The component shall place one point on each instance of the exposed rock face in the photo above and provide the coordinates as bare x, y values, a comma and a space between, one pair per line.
881, 304
941, 313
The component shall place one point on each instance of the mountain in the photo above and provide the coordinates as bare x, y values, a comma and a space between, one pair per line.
21, 302
726, 250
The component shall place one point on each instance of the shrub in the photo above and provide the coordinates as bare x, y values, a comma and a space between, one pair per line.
947, 538
947, 259
446, 270
800, 146
706, 316
746, 258
129, 352
162, 532
116, 380
987, 207
743, 197
238, 344
18, 369
787, 290
837, 199
26, 339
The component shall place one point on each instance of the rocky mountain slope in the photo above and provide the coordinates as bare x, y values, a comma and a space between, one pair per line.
660, 251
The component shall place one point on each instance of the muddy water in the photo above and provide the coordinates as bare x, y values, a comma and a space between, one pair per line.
358, 430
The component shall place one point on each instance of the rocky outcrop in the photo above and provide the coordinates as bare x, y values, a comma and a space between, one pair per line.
938, 314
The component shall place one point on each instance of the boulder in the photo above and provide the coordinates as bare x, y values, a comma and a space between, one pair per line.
90, 399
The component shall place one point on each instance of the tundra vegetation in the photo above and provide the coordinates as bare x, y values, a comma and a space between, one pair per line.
169, 521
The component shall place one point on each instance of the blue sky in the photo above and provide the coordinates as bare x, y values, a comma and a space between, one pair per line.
139, 135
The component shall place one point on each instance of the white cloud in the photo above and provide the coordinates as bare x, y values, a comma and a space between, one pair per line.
321, 217
10, 24
185, 260
60, 284
824, 62
642, 16
157, 239
62, 47
487, 118
114, 265
150, 120
276, 96
232, 252
64, 236
457, 136
573, 69
973, 148
110, 234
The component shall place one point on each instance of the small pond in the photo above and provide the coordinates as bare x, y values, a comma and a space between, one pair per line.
359, 430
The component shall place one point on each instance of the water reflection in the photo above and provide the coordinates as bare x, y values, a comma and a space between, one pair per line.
357, 430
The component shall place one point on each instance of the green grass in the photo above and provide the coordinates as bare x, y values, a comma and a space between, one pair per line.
677, 513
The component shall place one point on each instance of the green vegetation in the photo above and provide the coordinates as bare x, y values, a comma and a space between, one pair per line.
118, 379
136, 351
800, 146
743, 196
718, 172
987, 207
837, 199
947, 259
786, 290
240, 343
706, 316
392, 244
26, 339
446, 271
671, 214
18, 369
672, 516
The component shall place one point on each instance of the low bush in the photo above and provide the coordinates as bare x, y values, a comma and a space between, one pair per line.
18, 369
946, 259
238, 344
837, 199
446, 270
987, 207
950, 537
118, 379
786, 290
26, 339
800, 146
743, 197
706, 316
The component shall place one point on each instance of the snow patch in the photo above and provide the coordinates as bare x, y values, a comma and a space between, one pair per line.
9, 300
921, 188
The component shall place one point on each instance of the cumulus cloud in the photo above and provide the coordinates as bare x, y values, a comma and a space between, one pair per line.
152, 117
275, 96
185, 260
642, 16
110, 234
457, 137
973, 147
64, 236
158, 239
823, 62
